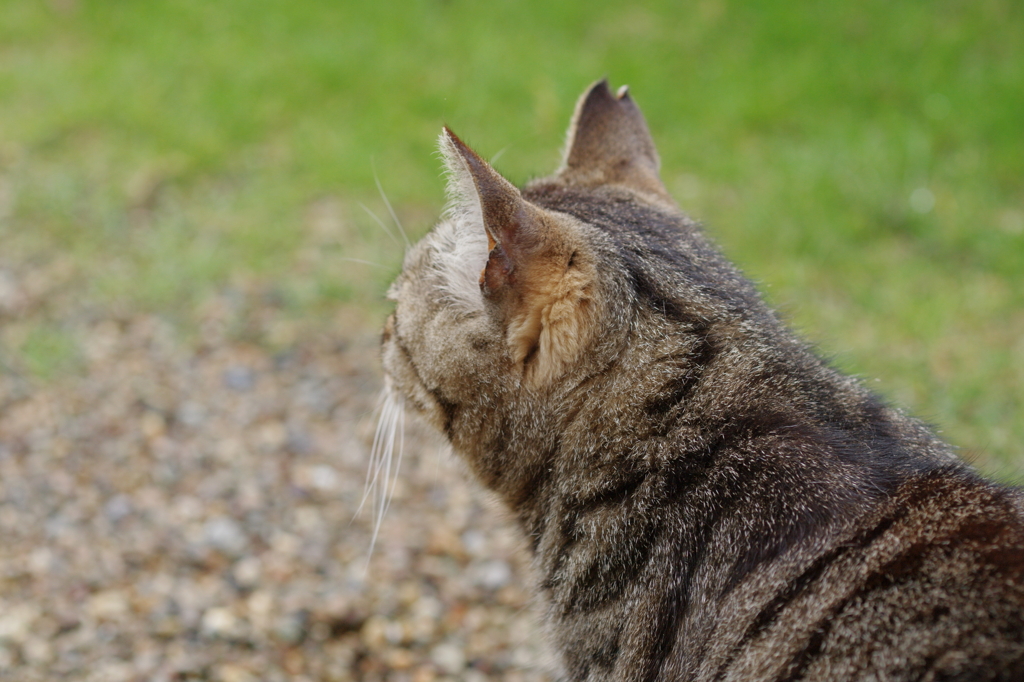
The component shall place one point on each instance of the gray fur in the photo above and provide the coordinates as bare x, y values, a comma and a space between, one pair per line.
706, 499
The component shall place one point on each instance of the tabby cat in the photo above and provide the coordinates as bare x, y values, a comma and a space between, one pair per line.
704, 497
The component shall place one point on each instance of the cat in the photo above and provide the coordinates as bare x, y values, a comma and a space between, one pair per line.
704, 497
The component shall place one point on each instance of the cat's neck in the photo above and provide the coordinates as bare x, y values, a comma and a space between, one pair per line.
709, 405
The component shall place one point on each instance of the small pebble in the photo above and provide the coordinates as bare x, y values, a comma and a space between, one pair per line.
492, 575
374, 632
167, 626
449, 658
324, 478
117, 507
191, 413
290, 628
16, 623
108, 605
475, 542
41, 561
247, 572
230, 672
239, 378
37, 650
224, 534
220, 622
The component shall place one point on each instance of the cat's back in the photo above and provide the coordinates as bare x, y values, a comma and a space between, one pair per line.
928, 587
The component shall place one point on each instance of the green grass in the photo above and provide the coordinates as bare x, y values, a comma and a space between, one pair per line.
172, 149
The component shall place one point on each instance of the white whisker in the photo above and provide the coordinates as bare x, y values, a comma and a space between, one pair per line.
380, 492
364, 262
386, 486
387, 203
380, 222
497, 156
400, 427
384, 465
372, 469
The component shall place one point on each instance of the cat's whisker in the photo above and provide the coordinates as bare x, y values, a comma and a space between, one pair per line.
383, 409
382, 479
380, 222
498, 155
371, 468
400, 427
387, 203
386, 485
379, 499
364, 262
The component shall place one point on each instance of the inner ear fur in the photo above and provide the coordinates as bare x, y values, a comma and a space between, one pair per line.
609, 143
552, 321
536, 275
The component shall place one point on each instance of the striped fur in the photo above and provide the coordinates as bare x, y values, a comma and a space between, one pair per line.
706, 499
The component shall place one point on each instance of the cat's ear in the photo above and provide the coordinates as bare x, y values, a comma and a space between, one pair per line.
533, 273
609, 143
512, 224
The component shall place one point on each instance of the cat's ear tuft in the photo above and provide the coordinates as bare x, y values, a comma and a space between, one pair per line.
462, 197
513, 225
609, 143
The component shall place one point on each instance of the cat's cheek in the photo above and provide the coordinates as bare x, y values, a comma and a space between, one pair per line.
402, 378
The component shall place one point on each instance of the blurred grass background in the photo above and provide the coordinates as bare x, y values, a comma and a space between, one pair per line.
863, 161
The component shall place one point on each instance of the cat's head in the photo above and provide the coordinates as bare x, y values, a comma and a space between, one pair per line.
520, 295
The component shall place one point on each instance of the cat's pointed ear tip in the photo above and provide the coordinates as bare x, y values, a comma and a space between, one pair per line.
456, 142
601, 90
600, 86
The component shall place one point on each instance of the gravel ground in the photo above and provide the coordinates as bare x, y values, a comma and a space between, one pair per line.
187, 510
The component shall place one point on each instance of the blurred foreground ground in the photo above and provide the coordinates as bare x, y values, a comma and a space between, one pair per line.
184, 510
